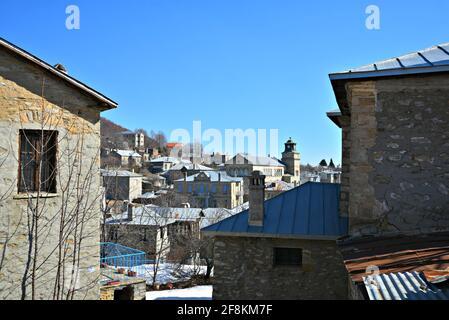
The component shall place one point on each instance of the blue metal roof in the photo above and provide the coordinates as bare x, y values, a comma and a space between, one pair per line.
403, 286
309, 211
434, 59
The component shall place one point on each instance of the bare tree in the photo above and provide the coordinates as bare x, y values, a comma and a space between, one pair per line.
53, 155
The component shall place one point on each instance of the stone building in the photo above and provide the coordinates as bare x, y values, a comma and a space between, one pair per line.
122, 185
292, 160
179, 170
154, 230
210, 189
162, 164
283, 248
49, 126
125, 158
394, 119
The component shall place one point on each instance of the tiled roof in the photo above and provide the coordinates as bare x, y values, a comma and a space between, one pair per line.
309, 211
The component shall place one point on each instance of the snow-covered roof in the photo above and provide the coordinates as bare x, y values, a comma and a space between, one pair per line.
190, 166
128, 153
119, 173
281, 186
170, 160
214, 176
255, 160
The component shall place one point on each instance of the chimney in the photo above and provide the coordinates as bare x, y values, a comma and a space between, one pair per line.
256, 199
130, 212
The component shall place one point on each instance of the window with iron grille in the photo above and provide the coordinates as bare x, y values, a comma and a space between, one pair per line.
287, 257
37, 161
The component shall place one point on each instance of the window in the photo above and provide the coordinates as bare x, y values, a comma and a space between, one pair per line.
37, 161
287, 257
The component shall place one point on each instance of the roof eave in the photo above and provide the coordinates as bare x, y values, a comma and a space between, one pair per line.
267, 235
105, 103
388, 73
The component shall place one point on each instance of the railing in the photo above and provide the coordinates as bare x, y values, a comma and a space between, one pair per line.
122, 260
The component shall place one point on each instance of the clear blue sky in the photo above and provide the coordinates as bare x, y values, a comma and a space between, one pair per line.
231, 64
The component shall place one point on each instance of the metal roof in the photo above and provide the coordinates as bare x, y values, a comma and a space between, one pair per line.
403, 286
64, 76
310, 211
427, 253
434, 59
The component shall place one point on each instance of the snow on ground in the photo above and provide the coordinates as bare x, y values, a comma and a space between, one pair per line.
195, 293
168, 273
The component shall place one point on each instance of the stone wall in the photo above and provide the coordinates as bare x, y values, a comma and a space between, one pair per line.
244, 270
399, 158
137, 291
29, 99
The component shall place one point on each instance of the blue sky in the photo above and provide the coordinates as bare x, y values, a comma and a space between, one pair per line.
231, 64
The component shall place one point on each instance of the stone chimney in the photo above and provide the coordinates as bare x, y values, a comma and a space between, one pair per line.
130, 210
256, 199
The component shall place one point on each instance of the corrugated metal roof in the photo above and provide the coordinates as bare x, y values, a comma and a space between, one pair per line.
403, 286
308, 211
434, 59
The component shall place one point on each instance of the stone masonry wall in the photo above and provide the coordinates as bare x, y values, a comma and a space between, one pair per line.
399, 163
76, 118
244, 270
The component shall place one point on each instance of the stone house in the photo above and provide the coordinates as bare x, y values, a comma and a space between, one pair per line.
179, 170
163, 164
394, 118
122, 185
210, 189
283, 248
154, 230
125, 158
49, 124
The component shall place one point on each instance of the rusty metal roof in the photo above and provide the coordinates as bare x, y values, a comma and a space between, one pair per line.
423, 253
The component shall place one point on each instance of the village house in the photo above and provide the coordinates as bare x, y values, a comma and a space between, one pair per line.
49, 126
283, 248
162, 164
210, 189
122, 185
394, 119
178, 171
125, 158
